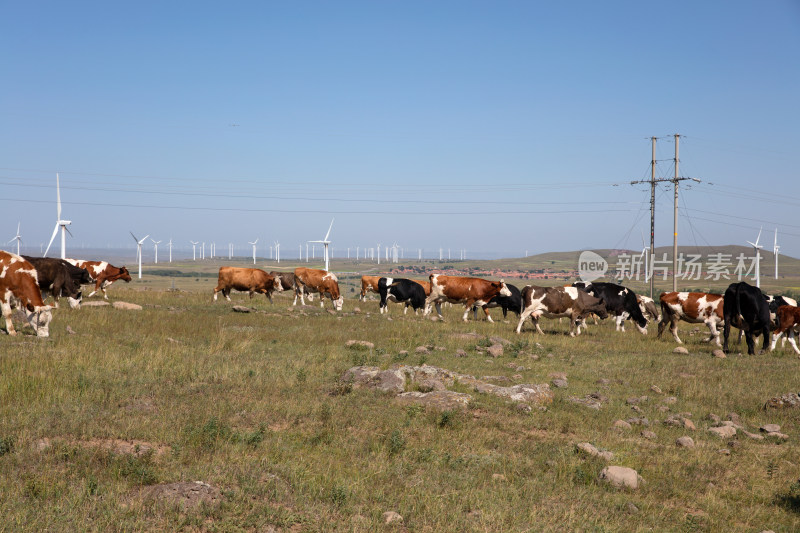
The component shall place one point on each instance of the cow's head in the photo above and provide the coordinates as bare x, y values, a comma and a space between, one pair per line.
276, 284
75, 302
504, 289
85, 277
338, 303
599, 308
39, 318
124, 275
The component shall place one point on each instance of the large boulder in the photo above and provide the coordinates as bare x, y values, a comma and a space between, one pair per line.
621, 476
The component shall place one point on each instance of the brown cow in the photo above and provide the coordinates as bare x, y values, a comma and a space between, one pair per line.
252, 280
694, 308
558, 302
314, 280
19, 284
787, 317
103, 273
368, 284
469, 291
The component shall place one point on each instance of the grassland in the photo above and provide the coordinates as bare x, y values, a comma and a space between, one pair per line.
252, 404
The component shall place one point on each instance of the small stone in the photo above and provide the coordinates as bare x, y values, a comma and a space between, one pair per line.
421, 350
778, 435
649, 435
631, 508
621, 476
391, 517
495, 350
603, 381
714, 418
655, 389
559, 383
688, 424
135, 307
724, 451
359, 344
498, 477
753, 436
719, 354
770, 428
459, 353
621, 424
685, 442
680, 349
524, 407
670, 400
723, 432
356, 310
733, 417
70, 330
557, 375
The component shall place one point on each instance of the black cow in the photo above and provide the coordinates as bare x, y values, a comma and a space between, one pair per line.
401, 290
746, 307
620, 301
506, 303
60, 278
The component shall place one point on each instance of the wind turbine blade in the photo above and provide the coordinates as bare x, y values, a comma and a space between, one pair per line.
134, 237
752, 244
329, 229
774, 245
58, 196
776, 232
759, 235
145, 238
55, 232
68, 231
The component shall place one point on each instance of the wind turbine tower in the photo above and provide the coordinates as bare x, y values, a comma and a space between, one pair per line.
277, 251
170, 249
194, 249
756, 248
155, 250
18, 238
139, 250
254, 249
325, 242
59, 223
775, 250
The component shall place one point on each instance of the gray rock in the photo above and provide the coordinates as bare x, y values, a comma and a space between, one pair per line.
100, 303
770, 428
789, 400
359, 344
495, 350
590, 449
778, 435
461, 353
719, 354
621, 476
655, 389
441, 400
422, 350
685, 442
621, 424
680, 349
753, 436
559, 383
723, 432
70, 330
391, 517
125, 306
649, 435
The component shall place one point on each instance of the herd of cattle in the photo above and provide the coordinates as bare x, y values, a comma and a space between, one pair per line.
23, 279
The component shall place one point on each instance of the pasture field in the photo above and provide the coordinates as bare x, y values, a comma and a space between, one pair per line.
185, 390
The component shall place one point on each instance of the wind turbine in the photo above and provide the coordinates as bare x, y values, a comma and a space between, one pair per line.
379, 253
254, 249
62, 223
775, 249
277, 251
194, 249
170, 249
756, 248
155, 248
18, 238
139, 250
325, 242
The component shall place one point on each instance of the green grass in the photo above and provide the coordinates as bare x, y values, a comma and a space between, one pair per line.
252, 404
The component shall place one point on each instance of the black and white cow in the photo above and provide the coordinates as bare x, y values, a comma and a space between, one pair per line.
621, 303
746, 307
506, 303
401, 290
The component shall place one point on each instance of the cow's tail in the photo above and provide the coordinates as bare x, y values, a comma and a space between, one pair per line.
739, 317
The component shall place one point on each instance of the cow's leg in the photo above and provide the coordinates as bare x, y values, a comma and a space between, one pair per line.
523, 316
673, 327
662, 326
574, 324
712, 327
775, 336
467, 307
97, 285
535, 319
620, 321
405, 309
726, 331
751, 343
6, 307
429, 306
765, 344
488, 317
268, 294
792, 342
103, 286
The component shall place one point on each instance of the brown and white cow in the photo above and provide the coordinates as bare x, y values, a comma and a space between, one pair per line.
368, 284
694, 308
60, 278
19, 285
325, 283
787, 317
103, 273
559, 302
469, 291
252, 280
649, 308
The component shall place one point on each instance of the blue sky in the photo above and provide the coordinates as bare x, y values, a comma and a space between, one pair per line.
491, 127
